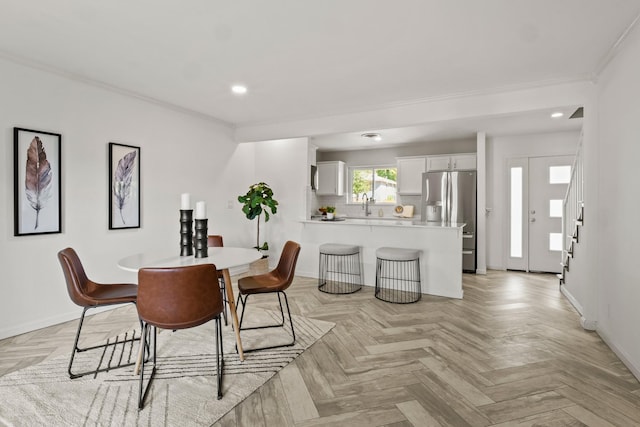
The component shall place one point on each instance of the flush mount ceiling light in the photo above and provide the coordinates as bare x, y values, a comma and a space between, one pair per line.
239, 89
557, 115
373, 136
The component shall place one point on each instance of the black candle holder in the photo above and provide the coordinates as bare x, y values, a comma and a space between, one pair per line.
186, 232
201, 238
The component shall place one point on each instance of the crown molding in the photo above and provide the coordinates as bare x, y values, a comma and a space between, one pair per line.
587, 77
614, 49
78, 78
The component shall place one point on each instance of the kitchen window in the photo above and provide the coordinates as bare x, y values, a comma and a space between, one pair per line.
376, 182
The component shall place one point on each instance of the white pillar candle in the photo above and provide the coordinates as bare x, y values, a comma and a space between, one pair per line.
185, 201
201, 210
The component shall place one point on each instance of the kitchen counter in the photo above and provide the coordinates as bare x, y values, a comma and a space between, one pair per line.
386, 222
440, 245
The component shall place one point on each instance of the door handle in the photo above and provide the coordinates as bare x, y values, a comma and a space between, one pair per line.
533, 220
533, 212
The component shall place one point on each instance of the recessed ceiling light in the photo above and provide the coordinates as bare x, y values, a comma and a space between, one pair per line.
374, 136
239, 89
557, 115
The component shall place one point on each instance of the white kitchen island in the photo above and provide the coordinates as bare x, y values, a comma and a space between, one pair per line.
440, 243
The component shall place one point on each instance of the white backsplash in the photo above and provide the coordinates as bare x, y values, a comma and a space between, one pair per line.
356, 210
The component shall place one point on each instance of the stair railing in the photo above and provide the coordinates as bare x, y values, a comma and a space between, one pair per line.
572, 209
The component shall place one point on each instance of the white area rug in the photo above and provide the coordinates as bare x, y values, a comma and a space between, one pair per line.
184, 389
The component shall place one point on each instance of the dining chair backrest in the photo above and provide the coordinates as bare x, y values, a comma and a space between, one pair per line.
77, 281
286, 268
89, 295
179, 297
214, 241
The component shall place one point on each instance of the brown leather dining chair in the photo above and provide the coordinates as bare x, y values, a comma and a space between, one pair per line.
177, 298
215, 241
275, 281
89, 294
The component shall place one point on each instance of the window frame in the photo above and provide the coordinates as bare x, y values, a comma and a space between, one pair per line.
372, 168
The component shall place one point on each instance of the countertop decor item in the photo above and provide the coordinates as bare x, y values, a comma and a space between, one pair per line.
331, 211
257, 200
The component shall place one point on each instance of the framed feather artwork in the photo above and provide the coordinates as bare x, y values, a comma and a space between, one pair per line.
124, 186
37, 182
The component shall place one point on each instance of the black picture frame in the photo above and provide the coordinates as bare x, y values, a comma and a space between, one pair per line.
37, 182
124, 186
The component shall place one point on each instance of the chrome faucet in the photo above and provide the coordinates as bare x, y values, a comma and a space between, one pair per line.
365, 204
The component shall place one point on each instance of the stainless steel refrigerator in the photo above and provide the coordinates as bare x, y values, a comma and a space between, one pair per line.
450, 197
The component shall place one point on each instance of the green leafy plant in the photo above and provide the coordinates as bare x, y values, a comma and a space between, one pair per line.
330, 209
259, 199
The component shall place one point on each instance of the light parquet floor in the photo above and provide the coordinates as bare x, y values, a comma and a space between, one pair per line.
511, 353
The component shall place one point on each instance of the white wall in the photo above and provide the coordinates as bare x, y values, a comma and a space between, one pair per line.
179, 153
618, 277
382, 155
283, 164
499, 149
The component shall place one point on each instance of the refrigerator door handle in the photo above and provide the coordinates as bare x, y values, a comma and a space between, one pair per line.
426, 197
449, 197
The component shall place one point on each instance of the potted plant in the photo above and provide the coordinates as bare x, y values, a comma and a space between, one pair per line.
331, 210
259, 199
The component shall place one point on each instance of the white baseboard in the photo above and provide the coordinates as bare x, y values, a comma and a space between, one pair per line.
313, 274
22, 328
588, 324
574, 302
635, 370
75, 314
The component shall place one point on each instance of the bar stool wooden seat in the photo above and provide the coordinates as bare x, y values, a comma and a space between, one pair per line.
340, 269
398, 275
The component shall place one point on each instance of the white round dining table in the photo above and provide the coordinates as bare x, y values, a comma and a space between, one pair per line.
223, 258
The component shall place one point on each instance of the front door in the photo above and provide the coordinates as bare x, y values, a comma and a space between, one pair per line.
538, 187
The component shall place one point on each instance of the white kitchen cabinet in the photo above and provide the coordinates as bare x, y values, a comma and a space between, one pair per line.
330, 178
464, 162
410, 170
451, 162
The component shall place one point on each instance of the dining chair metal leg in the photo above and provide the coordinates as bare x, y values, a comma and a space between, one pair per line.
142, 391
224, 300
219, 356
243, 302
104, 346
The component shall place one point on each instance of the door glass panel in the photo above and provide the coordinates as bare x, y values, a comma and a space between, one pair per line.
559, 174
516, 212
555, 241
555, 208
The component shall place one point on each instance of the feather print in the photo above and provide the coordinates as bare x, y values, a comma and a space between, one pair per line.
122, 181
37, 177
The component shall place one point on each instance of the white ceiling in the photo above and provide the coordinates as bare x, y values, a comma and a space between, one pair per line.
304, 59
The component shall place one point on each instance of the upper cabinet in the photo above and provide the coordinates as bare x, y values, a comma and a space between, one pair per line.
410, 170
451, 162
330, 178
